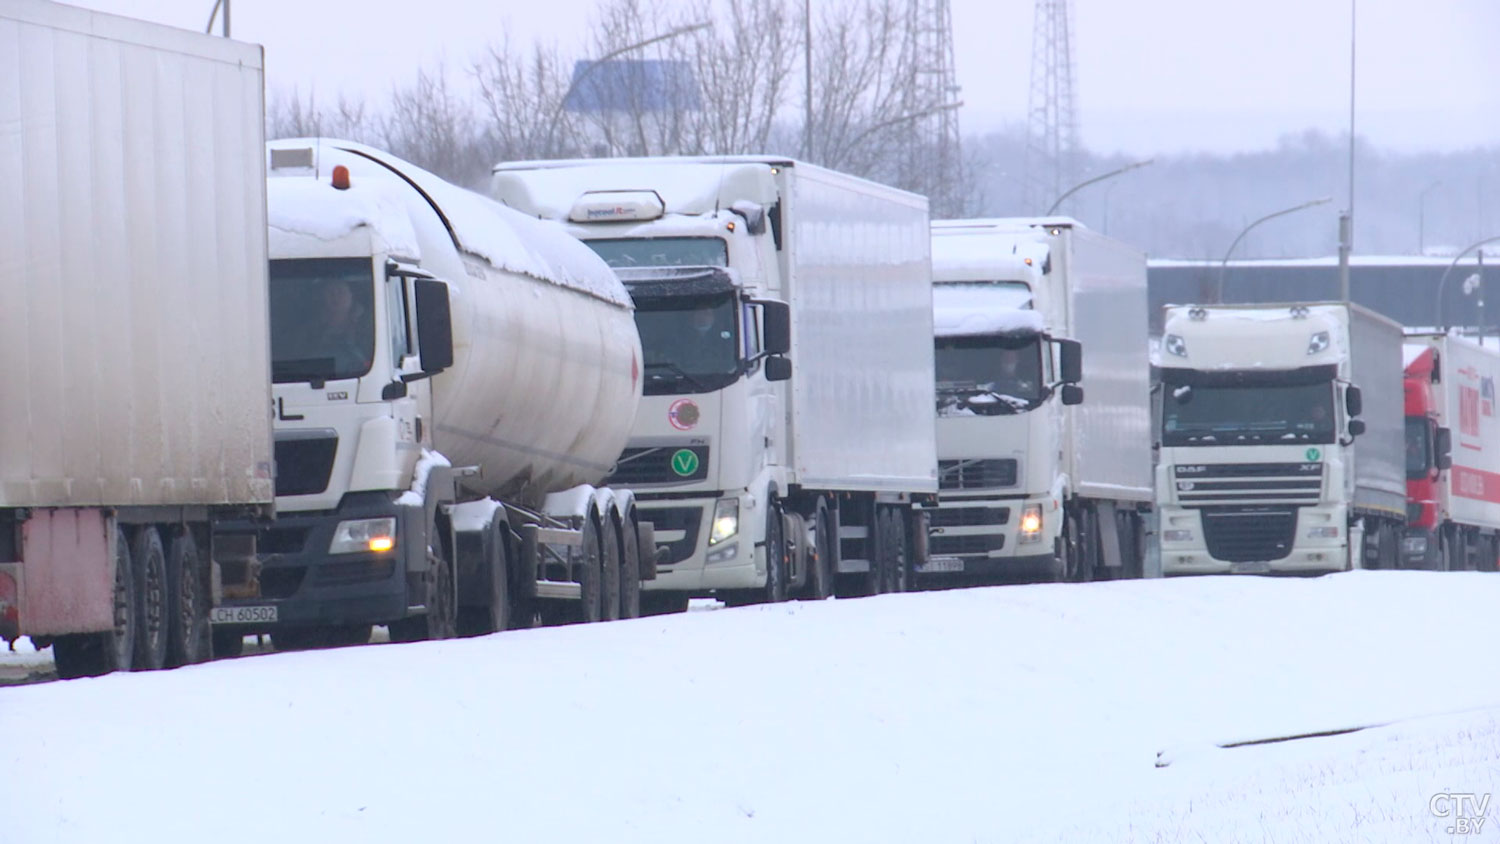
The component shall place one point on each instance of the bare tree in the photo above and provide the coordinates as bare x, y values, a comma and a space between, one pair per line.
289, 115
431, 125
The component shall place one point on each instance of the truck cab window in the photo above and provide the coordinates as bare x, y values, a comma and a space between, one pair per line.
662, 251
1007, 368
399, 319
322, 319
690, 343
1418, 447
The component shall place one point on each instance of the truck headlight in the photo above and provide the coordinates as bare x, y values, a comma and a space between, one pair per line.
1317, 343
726, 521
364, 535
1031, 523
1328, 532
1174, 345
1176, 536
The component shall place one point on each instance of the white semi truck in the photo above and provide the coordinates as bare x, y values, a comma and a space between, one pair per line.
133, 313
449, 376
785, 312
1281, 439
1043, 402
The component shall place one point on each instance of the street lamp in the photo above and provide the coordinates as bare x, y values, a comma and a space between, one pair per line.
1422, 217
1224, 264
666, 36
212, 16
1442, 310
1081, 185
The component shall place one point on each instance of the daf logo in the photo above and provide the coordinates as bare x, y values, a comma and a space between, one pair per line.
1191, 470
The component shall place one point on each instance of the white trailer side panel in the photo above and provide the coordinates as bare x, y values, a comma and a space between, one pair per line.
132, 264
1380, 452
1110, 433
862, 370
1469, 375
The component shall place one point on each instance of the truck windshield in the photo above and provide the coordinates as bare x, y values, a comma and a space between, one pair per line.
322, 319
662, 251
1418, 447
1261, 415
989, 374
690, 343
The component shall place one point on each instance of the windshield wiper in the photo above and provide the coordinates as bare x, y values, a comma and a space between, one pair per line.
985, 402
681, 373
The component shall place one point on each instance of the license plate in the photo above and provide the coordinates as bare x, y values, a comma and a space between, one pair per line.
1250, 568
944, 564
241, 615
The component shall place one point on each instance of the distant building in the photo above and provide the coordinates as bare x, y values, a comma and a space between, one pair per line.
633, 85
1404, 288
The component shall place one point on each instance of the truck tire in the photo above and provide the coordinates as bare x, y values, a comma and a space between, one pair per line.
93, 654
187, 602
149, 564
609, 569
630, 568
589, 572
897, 572
441, 619
776, 572
1081, 537
821, 577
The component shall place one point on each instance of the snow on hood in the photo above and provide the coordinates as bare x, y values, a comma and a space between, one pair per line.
961, 310
503, 236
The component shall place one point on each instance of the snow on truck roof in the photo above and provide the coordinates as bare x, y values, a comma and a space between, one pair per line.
987, 255
549, 189
504, 237
968, 310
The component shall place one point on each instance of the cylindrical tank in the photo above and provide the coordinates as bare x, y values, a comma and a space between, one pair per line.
546, 358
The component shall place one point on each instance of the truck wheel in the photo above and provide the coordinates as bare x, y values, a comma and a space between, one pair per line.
92, 654
501, 615
441, 619
228, 643
590, 575
149, 563
820, 579
1081, 539
609, 569
775, 591
630, 569
893, 552
187, 602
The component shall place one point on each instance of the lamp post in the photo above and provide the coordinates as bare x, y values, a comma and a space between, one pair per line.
1422, 217
1442, 310
1081, 185
1224, 264
1346, 219
563, 101
212, 16
807, 89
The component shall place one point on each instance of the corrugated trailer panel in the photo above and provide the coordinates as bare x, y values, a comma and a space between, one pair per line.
862, 355
132, 264
1469, 375
1110, 432
1380, 452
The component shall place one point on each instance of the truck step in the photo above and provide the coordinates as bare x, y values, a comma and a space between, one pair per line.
558, 589
853, 532
848, 566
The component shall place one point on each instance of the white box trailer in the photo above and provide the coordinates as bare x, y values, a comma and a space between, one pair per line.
133, 276
1452, 458
794, 263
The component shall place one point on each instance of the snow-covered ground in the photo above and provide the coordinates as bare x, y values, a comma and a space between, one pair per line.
1051, 713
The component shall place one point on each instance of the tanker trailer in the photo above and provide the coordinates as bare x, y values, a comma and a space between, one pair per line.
449, 376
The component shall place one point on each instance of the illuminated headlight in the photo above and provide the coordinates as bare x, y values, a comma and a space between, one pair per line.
1174, 345
1317, 343
363, 535
1031, 523
1328, 532
1176, 536
726, 521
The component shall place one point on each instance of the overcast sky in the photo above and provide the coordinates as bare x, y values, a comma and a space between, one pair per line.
1151, 75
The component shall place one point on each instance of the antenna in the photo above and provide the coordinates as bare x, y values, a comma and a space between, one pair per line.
1052, 109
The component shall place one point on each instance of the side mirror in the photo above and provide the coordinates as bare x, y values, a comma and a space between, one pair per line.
434, 325
1353, 401
778, 369
776, 328
1356, 427
1072, 394
1442, 446
754, 215
394, 390
1072, 361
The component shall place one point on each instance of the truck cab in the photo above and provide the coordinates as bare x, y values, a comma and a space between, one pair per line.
1266, 464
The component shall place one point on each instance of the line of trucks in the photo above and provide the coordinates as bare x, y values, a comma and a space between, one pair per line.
304, 388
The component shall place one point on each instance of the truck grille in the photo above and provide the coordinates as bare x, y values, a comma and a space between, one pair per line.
1248, 483
303, 464
1242, 536
981, 543
976, 474
968, 516
660, 465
